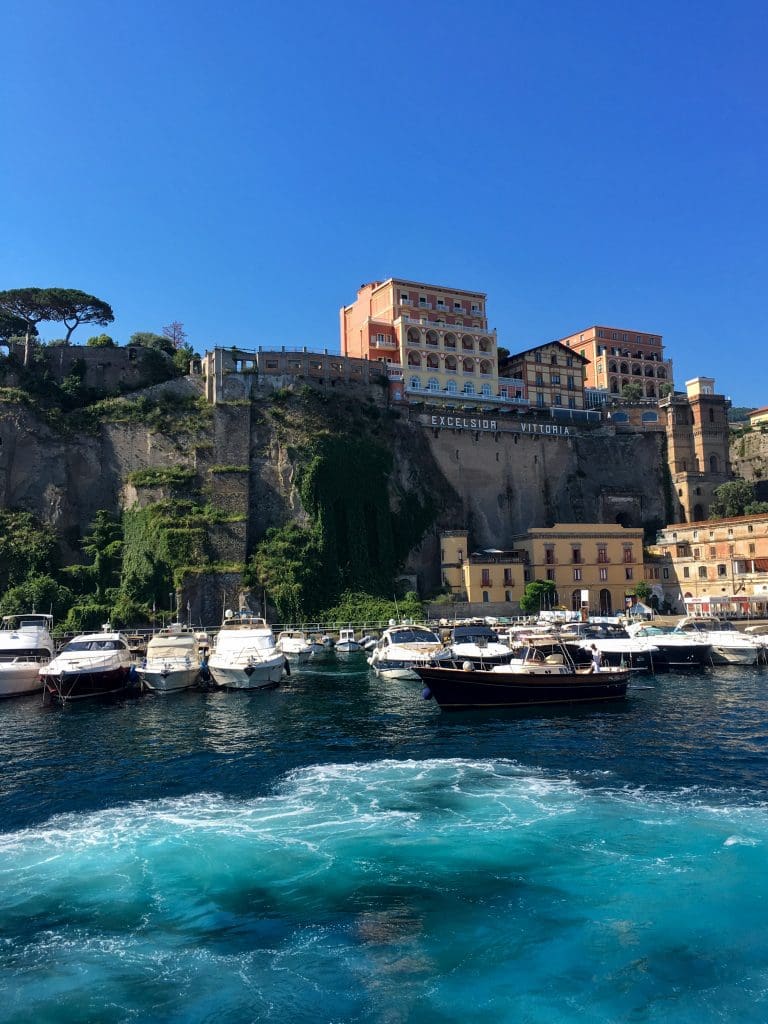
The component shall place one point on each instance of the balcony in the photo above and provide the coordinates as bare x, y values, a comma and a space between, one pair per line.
386, 342
461, 396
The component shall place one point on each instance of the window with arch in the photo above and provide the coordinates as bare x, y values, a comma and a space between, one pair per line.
620, 417
451, 388
432, 361
468, 365
485, 391
649, 417
433, 384
485, 367
415, 383
450, 364
414, 359
713, 464
469, 388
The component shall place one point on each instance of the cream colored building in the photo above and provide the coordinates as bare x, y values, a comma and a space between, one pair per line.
719, 566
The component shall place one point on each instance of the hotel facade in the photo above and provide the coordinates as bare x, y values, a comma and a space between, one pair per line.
618, 356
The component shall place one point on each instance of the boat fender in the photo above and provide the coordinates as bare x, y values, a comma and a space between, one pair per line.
286, 667
467, 666
426, 693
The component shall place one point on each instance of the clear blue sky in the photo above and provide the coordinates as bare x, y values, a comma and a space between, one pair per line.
244, 167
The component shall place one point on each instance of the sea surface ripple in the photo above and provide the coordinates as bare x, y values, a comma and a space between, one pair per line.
338, 850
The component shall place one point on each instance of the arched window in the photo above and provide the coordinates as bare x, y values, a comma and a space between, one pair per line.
485, 366
433, 384
431, 338
486, 391
624, 368
612, 366
451, 388
614, 386
468, 343
649, 417
414, 359
484, 344
414, 336
450, 364
620, 417
650, 391
713, 464
636, 371
576, 601
606, 605
449, 340
433, 361
415, 383
468, 365
469, 388
661, 373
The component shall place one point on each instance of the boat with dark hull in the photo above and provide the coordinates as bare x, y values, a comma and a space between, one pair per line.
91, 665
527, 682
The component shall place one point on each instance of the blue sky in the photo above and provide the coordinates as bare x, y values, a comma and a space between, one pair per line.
244, 167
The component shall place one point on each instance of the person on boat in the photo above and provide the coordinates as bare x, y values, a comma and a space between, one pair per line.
596, 658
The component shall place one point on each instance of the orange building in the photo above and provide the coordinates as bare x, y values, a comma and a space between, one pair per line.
618, 356
435, 339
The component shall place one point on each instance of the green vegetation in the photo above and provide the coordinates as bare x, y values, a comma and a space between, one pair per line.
632, 392
538, 595
361, 607
100, 341
162, 476
68, 306
643, 591
735, 498
228, 469
739, 413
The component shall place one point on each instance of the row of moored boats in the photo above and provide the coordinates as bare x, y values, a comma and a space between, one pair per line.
246, 654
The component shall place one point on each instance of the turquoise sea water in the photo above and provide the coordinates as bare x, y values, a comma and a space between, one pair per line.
339, 850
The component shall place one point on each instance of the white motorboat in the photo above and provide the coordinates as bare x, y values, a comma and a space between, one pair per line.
346, 643
480, 645
245, 654
172, 661
728, 646
618, 649
402, 648
295, 645
25, 646
681, 650
90, 665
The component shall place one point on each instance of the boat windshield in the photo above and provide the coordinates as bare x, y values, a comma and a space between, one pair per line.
413, 636
474, 635
177, 650
92, 645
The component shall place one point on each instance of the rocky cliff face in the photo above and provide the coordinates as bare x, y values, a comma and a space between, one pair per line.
245, 458
749, 453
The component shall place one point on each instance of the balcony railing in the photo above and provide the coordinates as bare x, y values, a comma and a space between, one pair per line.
462, 396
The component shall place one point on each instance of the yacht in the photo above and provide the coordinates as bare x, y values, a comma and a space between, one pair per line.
245, 654
295, 645
25, 646
728, 645
402, 648
90, 665
172, 661
618, 649
480, 645
681, 650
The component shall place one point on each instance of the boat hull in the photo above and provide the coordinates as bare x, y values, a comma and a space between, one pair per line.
19, 680
721, 655
455, 689
168, 680
84, 685
247, 677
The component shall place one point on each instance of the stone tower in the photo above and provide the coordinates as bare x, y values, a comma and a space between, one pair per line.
697, 446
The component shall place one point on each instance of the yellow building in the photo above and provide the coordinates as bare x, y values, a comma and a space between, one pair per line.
489, 576
597, 564
720, 566
758, 417
553, 375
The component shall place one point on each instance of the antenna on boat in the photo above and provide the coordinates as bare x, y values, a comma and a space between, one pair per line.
397, 610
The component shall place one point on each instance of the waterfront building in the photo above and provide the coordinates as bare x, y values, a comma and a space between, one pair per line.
488, 576
594, 566
553, 374
617, 356
435, 341
718, 566
698, 451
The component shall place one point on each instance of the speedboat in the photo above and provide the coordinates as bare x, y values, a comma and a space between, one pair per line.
245, 654
346, 642
90, 665
172, 661
402, 648
530, 680
728, 645
295, 645
480, 645
680, 650
25, 646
